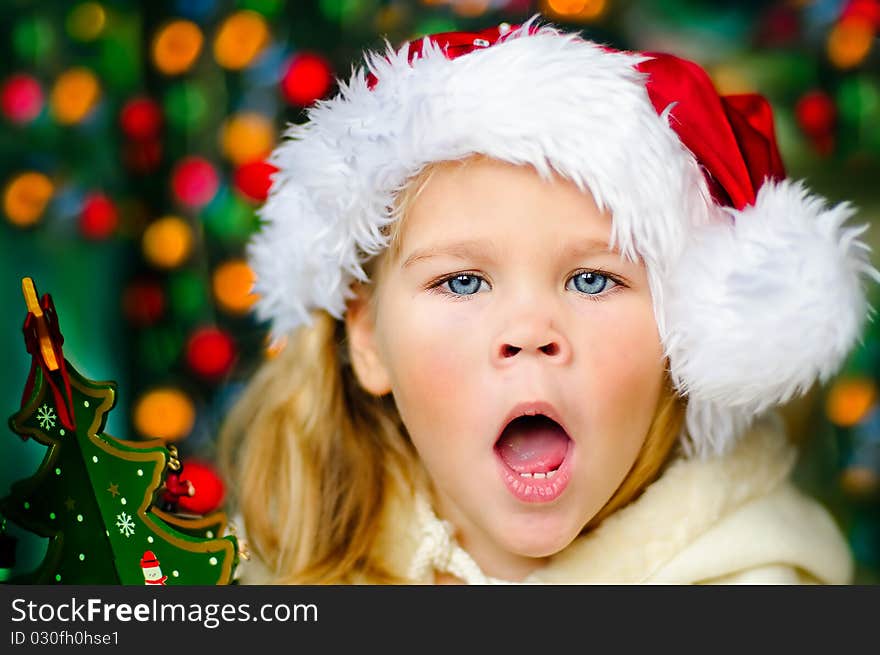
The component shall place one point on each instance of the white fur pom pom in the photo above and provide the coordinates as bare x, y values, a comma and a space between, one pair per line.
761, 308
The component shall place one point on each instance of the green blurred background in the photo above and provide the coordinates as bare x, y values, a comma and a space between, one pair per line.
131, 161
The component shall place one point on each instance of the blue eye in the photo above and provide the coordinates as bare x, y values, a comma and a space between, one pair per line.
590, 282
464, 285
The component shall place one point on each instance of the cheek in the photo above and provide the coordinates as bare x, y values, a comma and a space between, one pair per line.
625, 367
429, 353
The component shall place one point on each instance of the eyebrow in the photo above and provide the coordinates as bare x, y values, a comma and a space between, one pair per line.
482, 249
469, 249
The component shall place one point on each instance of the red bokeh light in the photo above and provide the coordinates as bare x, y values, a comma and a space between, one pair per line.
195, 181
141, 119
21, 98
99, 217
210, 353
253, 179
307, 79
868, 10
816, 113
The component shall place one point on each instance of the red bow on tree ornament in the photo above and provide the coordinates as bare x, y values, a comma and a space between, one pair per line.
198, 492
176, 486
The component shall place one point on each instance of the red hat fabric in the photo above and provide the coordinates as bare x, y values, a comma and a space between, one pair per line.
732, 137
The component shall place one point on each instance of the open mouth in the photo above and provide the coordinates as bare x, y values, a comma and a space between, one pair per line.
533, 450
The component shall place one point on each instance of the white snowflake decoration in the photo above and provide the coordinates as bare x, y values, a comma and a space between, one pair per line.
46, 416
125, 524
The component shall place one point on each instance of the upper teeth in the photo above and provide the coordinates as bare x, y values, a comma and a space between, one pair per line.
548, 474
535, 412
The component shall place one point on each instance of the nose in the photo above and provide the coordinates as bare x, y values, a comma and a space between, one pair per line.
532, 336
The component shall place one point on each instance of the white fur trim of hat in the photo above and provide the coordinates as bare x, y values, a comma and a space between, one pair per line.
758, 286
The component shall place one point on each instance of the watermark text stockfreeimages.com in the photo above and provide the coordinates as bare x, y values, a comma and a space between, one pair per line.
208, 615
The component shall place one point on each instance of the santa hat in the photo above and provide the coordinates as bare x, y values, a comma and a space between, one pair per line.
757, 284
149, 561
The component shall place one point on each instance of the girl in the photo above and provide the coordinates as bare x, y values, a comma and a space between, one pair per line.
541, 298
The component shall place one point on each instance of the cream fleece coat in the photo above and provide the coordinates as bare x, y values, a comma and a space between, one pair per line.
730, 519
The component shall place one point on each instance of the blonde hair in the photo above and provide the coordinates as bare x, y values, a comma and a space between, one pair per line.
311, 457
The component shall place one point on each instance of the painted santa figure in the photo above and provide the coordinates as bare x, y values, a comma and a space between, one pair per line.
152, 570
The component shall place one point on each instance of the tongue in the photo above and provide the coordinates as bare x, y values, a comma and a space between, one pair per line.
533, 444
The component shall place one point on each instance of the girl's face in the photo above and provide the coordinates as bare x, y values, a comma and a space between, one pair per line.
505, 300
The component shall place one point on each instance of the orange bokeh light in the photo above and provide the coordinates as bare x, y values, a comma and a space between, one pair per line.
177, 46
164, 414
232, 284
246, 137
585, 10
240, 39
74, 95
849, 400
26, 197
167, 242
471, 8
850, 42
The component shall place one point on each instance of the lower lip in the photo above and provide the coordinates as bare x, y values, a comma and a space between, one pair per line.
537, 490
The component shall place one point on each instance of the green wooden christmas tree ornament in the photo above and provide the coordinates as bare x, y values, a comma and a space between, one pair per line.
93, 495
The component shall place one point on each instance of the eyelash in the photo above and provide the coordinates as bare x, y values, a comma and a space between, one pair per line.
437, 285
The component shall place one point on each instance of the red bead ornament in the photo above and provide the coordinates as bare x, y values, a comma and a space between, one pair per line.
99, 217
210, 353
141, 119
194, 181
816, 113
143, 303
21, 98
254, 179
307, 79
208, 488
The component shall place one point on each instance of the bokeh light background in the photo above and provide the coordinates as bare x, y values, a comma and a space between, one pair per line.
132, 155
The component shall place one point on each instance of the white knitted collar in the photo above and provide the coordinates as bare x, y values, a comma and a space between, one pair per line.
439, 551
